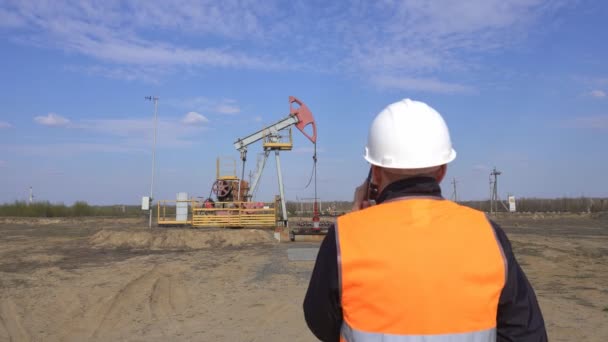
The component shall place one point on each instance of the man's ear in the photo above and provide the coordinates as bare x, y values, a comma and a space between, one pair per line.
376, 175
443, 170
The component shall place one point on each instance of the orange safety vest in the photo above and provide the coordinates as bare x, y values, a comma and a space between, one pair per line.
419, 269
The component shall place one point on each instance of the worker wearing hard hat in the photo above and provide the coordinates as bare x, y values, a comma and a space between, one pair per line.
415, 266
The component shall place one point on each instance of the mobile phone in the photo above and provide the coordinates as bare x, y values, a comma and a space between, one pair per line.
372, 189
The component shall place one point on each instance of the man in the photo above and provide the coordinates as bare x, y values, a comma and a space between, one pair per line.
417, 267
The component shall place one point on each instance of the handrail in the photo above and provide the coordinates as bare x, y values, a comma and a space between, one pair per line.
228, 213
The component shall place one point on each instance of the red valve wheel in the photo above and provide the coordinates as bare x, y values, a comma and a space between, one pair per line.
222, 188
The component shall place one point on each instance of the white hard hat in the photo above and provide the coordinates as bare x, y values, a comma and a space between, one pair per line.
409, 135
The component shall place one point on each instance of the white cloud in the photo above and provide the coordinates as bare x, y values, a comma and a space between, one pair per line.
421, 84
118, 136
227, 109
109, 33
194, 118
258, 119
599, 94
593, 81
68, 149
129, 73
138, 133
397, 57
4, 124
204, 104
478, 168
415, 39
52, 119
10, 19
441, 18
136, 52
599, 122
418, 41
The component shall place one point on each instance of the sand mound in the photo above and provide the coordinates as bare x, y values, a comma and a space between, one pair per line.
178, 239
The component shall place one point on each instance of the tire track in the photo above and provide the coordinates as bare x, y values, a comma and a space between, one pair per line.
128, 299
11, 321
160, 303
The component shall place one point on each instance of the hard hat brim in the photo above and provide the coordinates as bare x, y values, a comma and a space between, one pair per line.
448, 159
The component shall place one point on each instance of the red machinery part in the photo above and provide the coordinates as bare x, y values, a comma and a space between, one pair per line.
221, 188
304, 116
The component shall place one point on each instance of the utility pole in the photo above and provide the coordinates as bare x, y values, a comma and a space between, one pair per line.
454, 194
155, 99
494, 188
31, 197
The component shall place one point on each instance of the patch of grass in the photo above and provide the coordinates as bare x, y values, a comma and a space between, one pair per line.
605, 309
80, 208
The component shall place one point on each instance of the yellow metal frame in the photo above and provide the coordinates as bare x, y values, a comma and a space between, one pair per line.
161, 213
280, 146
223, 215
231, 176
234, 217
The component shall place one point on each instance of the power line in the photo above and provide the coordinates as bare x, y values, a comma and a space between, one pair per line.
155, 99
494, 199
454, 192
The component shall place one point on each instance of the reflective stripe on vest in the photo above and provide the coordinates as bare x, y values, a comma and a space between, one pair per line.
419, 270
349, 334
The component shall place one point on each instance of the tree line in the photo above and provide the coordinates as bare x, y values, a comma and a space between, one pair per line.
329, 208
78, 209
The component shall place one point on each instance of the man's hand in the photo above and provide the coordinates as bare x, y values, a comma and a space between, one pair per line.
361, 200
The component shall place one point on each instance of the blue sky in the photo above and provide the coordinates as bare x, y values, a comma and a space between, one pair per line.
522, 84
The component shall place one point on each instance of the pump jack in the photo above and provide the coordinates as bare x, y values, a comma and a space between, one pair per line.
300, 117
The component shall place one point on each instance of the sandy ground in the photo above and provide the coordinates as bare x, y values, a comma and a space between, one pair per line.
109, 280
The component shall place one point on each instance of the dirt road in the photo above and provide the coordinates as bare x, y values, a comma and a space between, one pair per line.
106, 280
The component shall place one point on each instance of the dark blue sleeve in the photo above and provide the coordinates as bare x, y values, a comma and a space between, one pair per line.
519, 315
322, 309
